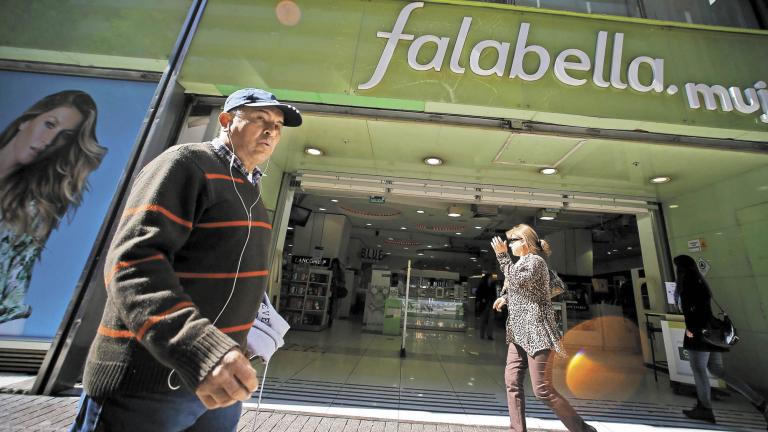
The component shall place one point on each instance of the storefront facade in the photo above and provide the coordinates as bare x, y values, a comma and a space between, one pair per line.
497, 92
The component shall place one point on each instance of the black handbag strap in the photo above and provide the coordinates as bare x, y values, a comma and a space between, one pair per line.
718, 305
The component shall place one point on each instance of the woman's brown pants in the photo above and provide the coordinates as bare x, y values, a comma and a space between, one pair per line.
541, 379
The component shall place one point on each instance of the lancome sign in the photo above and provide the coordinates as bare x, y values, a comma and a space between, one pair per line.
571, 66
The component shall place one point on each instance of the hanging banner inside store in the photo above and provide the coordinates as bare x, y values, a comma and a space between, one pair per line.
372, 254
484, 59
316, 261
64, 146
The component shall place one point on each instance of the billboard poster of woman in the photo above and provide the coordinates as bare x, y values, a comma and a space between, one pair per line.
64, 143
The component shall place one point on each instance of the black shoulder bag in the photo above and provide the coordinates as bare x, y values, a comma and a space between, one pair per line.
719, 330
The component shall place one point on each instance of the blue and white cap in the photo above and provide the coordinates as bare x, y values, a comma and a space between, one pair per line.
257, 97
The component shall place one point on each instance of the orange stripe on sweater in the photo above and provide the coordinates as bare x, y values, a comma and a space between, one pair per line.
234, 224
125, 264
160, 209
235, 329
187, 275
127, 334
155, 318
223, 177
117, 334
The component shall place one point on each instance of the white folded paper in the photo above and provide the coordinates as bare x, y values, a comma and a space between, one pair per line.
267, 332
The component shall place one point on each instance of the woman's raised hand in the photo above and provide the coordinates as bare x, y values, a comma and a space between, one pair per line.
498, 245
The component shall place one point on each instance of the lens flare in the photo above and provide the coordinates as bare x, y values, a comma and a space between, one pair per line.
288, 13
614, 368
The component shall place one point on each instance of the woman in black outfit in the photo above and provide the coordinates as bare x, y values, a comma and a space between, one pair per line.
695, 297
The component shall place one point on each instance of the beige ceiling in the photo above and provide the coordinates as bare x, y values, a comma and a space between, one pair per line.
494, 156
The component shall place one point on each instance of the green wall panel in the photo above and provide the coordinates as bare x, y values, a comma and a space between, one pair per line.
137, 35
732, 217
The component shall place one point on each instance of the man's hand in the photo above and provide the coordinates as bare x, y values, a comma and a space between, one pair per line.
688, 333
232, 380
501, 301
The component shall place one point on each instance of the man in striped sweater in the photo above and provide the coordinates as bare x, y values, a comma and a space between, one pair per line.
185, 275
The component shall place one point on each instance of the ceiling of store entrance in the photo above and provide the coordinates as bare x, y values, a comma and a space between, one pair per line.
422, 231
493, 156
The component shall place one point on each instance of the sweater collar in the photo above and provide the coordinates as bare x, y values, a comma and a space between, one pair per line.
228, 156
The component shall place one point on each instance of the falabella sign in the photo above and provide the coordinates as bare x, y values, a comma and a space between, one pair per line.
713, 96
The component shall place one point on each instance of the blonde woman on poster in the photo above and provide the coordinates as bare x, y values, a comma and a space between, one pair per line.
46, 156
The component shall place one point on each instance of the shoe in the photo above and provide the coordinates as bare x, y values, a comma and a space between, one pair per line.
700, 413
763, 408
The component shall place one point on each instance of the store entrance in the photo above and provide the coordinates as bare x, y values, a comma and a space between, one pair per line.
344, 285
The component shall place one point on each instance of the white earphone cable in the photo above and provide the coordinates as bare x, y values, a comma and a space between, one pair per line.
249, 216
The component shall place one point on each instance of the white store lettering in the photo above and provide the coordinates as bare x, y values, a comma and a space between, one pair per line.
566, 62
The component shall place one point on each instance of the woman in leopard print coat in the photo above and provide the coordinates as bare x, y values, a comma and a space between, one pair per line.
532, 333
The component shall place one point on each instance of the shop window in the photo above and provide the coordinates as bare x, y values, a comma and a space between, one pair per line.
728, 13
607, 7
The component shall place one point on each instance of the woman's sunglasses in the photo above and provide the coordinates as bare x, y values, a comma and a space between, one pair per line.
514, 239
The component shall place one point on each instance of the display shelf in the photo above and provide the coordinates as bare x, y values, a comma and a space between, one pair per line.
304, 298
432, 314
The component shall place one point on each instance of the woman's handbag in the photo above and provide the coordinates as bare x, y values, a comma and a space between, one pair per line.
719, 330
556, 285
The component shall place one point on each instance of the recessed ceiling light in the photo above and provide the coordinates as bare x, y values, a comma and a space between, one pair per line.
433, 161
458, 233
321, 209
483, 250
313, 151
420, 211
431, 256
454, 211
478, 227
290, 245
673, 206
368, 224
547, 218
388, 253
378, 245
660, 179
334, 200
446, 245
429, 246
615, 250
629, 247
609, 253
548, 171
290, 228
405, 248
421, 254
403, 228
390, 239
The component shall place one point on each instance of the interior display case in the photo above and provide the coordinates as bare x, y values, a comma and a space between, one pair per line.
305, 297
434, 314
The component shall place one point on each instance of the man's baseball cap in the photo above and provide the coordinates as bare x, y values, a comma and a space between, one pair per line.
261, 98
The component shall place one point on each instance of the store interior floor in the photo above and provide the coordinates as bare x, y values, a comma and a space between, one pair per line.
458, 377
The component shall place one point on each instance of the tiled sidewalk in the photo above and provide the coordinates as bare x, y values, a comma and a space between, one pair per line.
45, 413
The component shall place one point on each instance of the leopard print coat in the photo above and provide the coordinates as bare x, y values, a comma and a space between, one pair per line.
531, 322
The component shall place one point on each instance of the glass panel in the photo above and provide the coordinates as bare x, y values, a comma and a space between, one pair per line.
608, 7
733, 13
